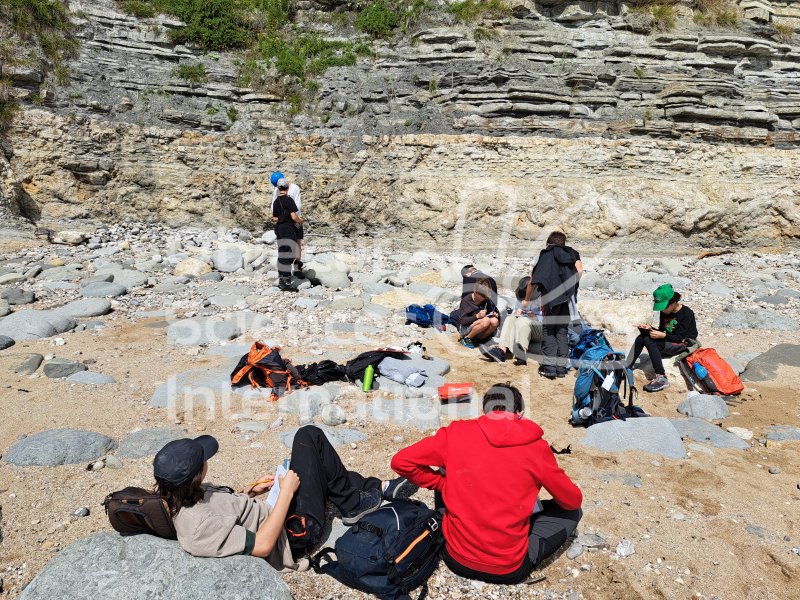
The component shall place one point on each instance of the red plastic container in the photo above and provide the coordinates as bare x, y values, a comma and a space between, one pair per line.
455, 392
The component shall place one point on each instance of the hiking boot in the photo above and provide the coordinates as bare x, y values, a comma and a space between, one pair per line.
520, 362
548, 371
494, 354
561, 372
400, 487
467, 343
285, 285
371, 501
298, 270
657, 383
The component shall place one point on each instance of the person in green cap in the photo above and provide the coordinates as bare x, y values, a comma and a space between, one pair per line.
676, 324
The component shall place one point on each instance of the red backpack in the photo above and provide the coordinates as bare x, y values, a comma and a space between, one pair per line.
723, 379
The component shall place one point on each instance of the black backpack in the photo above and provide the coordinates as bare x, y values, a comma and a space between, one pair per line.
321, 372
389, 552
354, 369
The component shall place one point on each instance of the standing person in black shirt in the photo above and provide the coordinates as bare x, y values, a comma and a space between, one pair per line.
284, 217
676, 325
555, 276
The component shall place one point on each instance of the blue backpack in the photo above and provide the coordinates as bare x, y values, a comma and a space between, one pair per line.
389, 552
604, 382
426, 316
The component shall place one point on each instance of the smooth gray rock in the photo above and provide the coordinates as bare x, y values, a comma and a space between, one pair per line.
333, 414
227, 260
433, 366
193, 389
58, 447
5, 308
306, 303
703, 406
35, 324
87, 307
642, 283
764, 367
128, 278
65, 273
337, 436
228, 301
29, 365
146, 442
755, 318
783, 433
251, 427
143, 567
90, 378
331, 274
62, 367
715, 288
306, 403
201, 330
700, 430
655, 435
17, 297
103, 289
344, 304
422, 413
211, 276
6, 342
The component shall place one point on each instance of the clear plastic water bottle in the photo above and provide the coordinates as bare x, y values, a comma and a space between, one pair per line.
585, 412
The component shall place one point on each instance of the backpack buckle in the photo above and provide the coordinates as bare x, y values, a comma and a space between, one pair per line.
433, 525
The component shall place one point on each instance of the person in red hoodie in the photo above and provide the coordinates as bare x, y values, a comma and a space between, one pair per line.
488, 472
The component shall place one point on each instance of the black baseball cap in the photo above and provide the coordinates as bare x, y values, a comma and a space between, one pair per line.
180, 460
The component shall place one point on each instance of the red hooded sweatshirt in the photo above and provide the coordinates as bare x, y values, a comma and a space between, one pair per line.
495, 466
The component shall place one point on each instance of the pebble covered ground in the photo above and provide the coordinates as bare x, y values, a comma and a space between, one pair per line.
719, 523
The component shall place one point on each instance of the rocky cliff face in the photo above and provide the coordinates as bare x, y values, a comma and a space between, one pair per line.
569, 114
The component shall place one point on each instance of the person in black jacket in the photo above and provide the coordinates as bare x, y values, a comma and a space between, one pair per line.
476, 317
555, 276
285, 216
676, 325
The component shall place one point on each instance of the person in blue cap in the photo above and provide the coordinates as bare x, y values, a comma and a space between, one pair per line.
213, 521
293, 191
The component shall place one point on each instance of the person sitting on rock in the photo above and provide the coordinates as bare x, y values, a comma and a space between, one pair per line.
477, 316
555, 276
519, 329
486, 473
285, 215
676, 325
213, 521
294, 194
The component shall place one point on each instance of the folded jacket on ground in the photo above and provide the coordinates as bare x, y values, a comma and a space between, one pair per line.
402, 371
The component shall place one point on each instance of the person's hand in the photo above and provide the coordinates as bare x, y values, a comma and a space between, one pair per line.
518, 312
642, 326
657, 335
481, 314
261, 486
274, 219
290, 482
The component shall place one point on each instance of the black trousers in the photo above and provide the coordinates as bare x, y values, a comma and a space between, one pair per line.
286, 256
555, 340
656, 349
550, 529
323, 477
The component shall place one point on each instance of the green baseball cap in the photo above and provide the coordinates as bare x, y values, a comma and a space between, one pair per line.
662, 295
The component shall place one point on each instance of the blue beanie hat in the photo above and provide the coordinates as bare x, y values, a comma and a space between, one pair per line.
275, 176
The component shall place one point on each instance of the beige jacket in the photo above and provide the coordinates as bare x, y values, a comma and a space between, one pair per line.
220, 524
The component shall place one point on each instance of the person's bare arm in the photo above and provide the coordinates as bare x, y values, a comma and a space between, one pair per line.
269, 532
579, 267
297, 218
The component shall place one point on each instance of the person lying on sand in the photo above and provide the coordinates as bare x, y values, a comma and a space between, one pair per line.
213, 521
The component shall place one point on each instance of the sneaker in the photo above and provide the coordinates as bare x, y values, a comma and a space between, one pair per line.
399, 487
467, 343
494, 354
657, 383
285, 285
561, 372
520, 362
547, 371
371, 501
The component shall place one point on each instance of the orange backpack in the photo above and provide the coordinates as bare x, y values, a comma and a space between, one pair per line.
724, 379
265, 367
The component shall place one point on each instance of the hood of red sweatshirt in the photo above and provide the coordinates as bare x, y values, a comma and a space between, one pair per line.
503, 429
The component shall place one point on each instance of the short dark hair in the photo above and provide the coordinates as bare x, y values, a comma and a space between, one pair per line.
502, 397
556, 239
483, 285
181, 496
676, 297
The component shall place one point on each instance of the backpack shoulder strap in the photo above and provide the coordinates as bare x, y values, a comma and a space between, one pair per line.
316, 560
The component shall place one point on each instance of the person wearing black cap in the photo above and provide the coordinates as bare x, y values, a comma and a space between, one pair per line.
213, 521
487, 473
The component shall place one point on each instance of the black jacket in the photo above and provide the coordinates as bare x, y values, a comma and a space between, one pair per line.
555, 275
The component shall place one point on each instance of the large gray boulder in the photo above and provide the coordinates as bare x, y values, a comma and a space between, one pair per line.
58, 447
146, 442
35, 324
755, 318
703, 406
227, 260
201, 330
783, 433
86, 307
192, 389
62, 367
143, 567
700, 430
332, 274
655, 435
17, 297
103, 289
91, 378
128, 278
306, 403
764, 367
